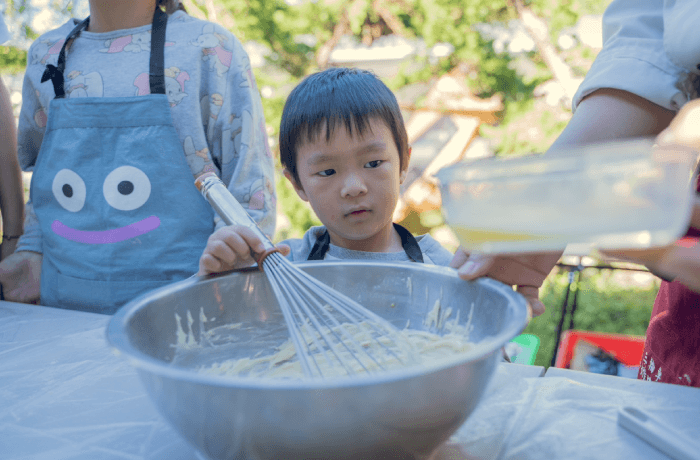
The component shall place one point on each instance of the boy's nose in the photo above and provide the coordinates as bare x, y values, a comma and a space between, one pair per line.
354, 185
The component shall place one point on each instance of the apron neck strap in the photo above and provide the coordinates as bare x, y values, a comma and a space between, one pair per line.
55, 72
156, 75
409, 243
157, 59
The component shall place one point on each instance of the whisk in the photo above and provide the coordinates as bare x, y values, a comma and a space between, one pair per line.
324, 324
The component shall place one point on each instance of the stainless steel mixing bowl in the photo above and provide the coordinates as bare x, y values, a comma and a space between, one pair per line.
402, 414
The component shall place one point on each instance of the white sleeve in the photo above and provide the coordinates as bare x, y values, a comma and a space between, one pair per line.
633, 57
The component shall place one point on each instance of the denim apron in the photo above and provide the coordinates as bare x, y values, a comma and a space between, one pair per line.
115, 198
409, 243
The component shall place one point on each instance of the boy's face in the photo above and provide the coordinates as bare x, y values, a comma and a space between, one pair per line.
352, 183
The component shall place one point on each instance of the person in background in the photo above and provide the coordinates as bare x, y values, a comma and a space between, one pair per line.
121, 112
344, 148
11, 188
640, 85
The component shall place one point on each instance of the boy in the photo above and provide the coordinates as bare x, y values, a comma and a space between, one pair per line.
344, 148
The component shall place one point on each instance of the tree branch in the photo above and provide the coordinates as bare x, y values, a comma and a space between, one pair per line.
539, 32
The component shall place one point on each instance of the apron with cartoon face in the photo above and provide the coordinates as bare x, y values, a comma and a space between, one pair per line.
113, 193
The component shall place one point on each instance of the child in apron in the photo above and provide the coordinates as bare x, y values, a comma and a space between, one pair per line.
344, 148
116, 124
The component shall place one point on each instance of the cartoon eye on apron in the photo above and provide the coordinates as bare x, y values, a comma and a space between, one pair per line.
127, 188
69, 189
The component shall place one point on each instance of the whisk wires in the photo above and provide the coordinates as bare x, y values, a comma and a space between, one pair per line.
326, 324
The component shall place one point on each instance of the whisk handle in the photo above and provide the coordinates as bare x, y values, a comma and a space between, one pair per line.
226, 206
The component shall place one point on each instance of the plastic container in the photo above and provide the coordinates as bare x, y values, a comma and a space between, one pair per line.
528, 344
627, 349
616, 195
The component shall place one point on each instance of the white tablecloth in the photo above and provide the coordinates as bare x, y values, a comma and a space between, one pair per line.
65, 395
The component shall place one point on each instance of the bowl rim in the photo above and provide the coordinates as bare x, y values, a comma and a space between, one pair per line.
119, 342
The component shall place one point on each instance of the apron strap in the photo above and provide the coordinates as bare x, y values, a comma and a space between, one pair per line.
323, 242
55, 72
156, 74
156, 77
409, 243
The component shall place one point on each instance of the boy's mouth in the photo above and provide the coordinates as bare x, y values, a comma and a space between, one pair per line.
357, 212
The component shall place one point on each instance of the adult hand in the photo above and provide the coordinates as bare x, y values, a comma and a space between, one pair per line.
20, 277
526, 272
680, 261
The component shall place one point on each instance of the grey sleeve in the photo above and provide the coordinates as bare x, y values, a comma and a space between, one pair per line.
435, 252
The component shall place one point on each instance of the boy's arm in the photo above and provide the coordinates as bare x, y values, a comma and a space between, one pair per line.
247, 166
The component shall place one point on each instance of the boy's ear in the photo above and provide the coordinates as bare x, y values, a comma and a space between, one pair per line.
297, 187
404, 170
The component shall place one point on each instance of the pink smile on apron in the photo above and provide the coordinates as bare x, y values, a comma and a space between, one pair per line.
114, 235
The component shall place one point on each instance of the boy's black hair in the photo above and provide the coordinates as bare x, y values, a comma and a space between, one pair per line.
338, 95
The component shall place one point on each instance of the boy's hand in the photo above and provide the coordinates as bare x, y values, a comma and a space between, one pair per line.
230, 248
20, 276
526, 271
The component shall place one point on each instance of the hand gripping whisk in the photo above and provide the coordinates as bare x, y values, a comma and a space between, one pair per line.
332, 334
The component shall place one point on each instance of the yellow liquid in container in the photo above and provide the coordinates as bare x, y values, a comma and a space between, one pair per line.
477, 237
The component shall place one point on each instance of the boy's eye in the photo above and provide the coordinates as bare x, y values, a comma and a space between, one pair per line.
326, 172
374, 164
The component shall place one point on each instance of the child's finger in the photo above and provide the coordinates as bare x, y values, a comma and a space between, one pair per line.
284, 249
251, 240
227, 250
208, 264
459, 258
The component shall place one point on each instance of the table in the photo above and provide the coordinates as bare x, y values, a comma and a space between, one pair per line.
572, 415
65, 395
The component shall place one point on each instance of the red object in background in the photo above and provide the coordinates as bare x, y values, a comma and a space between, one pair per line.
627, 349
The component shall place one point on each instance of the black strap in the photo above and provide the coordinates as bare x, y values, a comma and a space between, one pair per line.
409, 243
323, 242
55, 72
156, 77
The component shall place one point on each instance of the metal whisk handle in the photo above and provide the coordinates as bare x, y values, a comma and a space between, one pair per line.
226, 205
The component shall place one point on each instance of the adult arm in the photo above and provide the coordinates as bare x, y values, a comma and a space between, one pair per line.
20, 273
631, 90
11, 188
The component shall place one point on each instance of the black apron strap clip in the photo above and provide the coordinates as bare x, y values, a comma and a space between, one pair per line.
52, 73
55, 72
